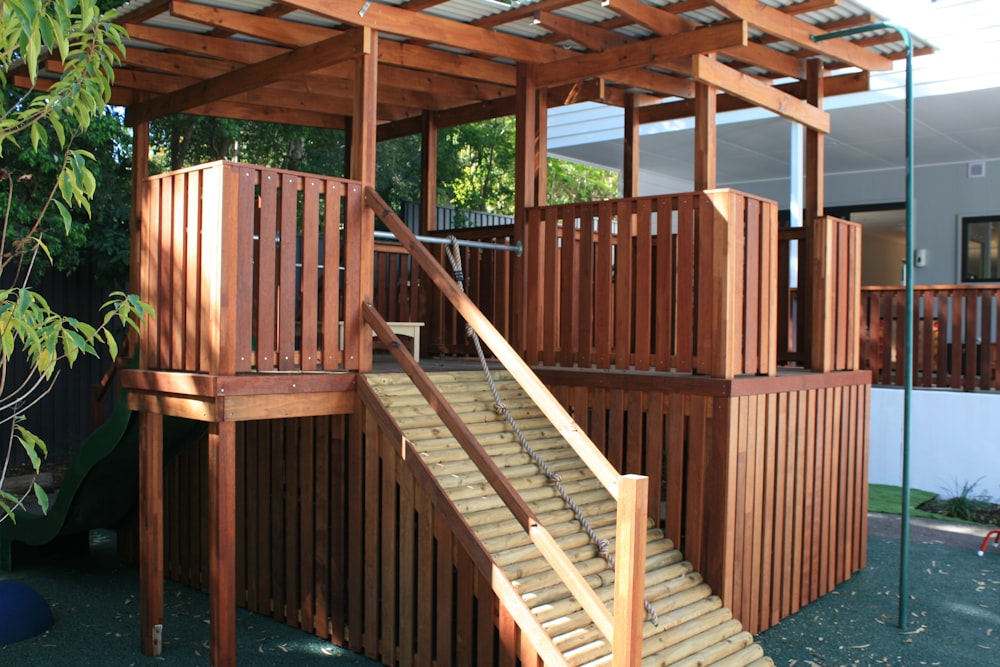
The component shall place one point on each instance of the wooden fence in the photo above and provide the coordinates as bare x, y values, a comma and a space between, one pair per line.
337, 536
694, 289
259, 305
763, 481
955, 334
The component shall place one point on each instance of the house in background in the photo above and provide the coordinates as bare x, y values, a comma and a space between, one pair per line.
957, 221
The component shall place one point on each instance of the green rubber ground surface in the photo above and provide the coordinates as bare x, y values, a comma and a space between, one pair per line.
955, 615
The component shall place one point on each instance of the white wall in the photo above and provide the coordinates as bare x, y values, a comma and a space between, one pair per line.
943, 194
954, 440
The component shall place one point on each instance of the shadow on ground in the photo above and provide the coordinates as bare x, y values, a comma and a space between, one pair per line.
954, 613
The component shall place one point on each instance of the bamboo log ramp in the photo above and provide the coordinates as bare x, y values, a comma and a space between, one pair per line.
693, 627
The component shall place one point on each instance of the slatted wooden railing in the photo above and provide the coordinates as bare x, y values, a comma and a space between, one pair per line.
243, 264
693, 290
762, 481
819, 319
955, 334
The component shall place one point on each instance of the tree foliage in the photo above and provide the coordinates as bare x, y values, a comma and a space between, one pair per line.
42, 126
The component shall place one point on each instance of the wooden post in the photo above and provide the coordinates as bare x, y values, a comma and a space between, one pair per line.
726, 287
705, 137
151, 532
140, 171
541, 147
630, 169
525, 186
428, 172
360, 252
630, 570
222, 541
811, 309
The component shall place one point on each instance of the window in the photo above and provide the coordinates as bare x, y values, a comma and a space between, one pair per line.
981, 249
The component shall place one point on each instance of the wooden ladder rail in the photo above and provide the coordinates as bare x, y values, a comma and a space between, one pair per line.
624, 631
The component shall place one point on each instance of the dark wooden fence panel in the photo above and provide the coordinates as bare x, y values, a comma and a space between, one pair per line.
337, 536
955, 336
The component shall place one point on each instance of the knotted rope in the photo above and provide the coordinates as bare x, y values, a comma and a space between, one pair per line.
603, 548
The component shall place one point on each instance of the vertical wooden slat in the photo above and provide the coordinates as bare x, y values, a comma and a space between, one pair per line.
675, 492
568, 287
603, 286
586, 287
355, 475
164, 276
655, 450
322, 526
176, 258
307, 564
241, 505
663, 295
443, 591
244, 286
624, 288
752, 280
685, 272
266, 270
309, 291
768, 516
642, 321
425, 582
287, 302
332, 357
371, 588
549, 286
387, 552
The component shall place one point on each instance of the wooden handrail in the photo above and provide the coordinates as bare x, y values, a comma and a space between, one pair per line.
541, 537
494, 340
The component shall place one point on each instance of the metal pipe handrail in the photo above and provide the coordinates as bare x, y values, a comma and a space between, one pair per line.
517, 248
904, 554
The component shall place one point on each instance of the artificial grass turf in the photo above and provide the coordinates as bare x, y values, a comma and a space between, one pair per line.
888, 499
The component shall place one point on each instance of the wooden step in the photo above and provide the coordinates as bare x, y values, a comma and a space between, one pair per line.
692, 629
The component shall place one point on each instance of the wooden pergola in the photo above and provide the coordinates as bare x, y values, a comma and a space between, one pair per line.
380, 70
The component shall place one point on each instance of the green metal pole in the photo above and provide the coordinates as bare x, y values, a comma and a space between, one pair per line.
904, 538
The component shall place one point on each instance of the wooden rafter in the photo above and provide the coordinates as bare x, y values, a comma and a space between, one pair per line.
308, 58
791, 29
647, 52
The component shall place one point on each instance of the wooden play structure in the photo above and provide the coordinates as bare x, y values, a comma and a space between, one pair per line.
395, 512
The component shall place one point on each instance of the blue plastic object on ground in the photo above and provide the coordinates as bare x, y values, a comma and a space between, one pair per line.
23, 612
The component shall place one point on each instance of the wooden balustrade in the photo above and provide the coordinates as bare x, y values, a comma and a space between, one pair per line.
761, 481
819, 319
259, 305
955, 332
693, 289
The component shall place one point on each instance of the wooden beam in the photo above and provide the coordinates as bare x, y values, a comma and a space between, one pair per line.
293, 34
855, 82
584, 34
431, 29
789, 28
640, 54
630, 570
305, 59
711, 72
654, 18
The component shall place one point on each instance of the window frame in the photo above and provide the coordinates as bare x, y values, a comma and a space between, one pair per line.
965, 223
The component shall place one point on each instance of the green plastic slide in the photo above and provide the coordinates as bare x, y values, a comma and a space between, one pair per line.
101, 486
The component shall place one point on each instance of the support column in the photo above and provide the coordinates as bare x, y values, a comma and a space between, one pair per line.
525, 188
140, 172
428, 172
705, 137
810, 263
814, 144
630, 168
222, 541
360, 251
151, 532
541, 147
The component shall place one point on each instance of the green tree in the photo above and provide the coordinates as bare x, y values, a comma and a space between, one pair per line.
47, 126
571, 182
